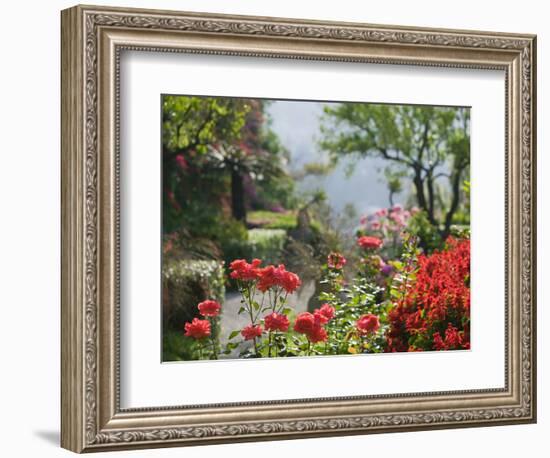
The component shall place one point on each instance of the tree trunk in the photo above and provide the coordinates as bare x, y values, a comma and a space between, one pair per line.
238, 206
391, 199
431, 196
421, 196
455, 200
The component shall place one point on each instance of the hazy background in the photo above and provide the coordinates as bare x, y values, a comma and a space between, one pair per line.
297, 125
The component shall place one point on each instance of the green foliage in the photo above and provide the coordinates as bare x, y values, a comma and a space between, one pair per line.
272, 220
231, 235
363, 295
181, 245
220, 157
196, 122
429, 237
186, 283
176, 347
266, 244
430, 145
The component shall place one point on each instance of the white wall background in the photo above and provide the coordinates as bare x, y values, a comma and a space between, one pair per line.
29, 229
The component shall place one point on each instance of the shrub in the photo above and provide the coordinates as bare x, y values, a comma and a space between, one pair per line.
232, 236
272, 220
266, 244
429, 237
186, 283
176, 347
432, 302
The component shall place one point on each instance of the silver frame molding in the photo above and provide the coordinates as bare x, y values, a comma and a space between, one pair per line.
92, 40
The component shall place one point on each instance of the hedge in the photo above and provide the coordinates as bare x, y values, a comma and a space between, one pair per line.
185, 283
266, 244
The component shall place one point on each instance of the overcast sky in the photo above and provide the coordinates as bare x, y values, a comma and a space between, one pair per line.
297, 125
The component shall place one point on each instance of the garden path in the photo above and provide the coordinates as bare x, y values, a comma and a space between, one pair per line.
231, 320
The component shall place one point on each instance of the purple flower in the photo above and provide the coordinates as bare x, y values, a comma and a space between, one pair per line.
386, 270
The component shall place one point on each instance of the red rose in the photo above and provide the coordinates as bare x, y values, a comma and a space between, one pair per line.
276, 322
242, 270
369, 242
318, 334
327, 311
272, 276
250, 332
290, 282
209, 308
368, 324
336, 261
311, 325
304, 323
197, 329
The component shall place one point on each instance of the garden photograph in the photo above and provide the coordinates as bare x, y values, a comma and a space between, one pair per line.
313, 228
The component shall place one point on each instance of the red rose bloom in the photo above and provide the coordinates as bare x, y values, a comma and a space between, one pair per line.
242, 270
368, 324
276, 322
311, 325
198, 329
318, 334
325, 313
304, 323
250, 332
272, 276
336, 261
209, 308
369, 242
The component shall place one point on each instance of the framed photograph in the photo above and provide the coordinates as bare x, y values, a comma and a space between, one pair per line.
279, 228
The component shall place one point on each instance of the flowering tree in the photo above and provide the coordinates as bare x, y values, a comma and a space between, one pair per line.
430, 145
432, 300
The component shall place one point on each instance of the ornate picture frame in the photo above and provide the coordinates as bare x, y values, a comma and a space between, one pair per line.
92, 41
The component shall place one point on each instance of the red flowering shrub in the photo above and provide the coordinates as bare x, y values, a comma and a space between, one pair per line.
276, 322
197, 329
368, 324
250, 332
454, 339
368, 242
209, 308
433, 312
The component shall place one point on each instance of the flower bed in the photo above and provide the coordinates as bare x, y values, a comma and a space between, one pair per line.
418, 301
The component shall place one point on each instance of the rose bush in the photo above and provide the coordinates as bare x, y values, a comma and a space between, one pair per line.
417, 302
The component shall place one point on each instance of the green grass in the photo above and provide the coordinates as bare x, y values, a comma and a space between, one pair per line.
272, 220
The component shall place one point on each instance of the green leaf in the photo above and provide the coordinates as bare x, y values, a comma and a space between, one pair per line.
241, 310
233, 334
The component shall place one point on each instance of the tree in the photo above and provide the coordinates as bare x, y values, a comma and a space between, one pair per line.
191, 179
429, 145
208, 141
